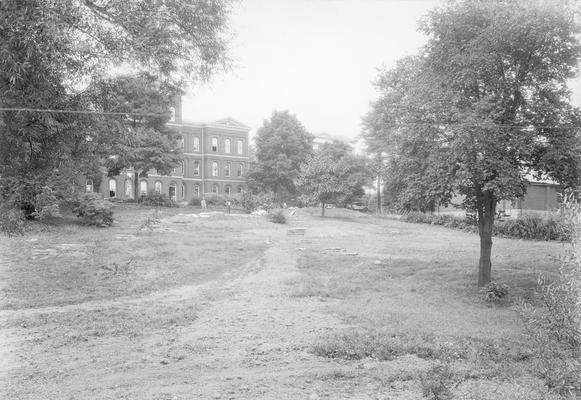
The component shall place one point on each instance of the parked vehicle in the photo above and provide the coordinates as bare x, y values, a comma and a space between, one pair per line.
358, 206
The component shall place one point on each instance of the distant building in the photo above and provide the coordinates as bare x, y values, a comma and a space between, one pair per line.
215, 161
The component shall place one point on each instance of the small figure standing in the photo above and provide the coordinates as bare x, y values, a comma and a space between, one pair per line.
203, 203
228, 206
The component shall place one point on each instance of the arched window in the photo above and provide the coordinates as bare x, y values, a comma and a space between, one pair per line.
196, 168
227, 169
227, 146
239, 169
157, 187
143, 188
227, 190
89, 186
129, 189
215, 189
214, 168
240, 189
239, 146
183, 191
214, 144
172, 112
112, 187
173, 191
197, 190
196, 144
181, 142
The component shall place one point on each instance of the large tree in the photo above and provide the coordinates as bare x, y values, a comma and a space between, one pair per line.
484, 105
51, 51
282, 144
138, 138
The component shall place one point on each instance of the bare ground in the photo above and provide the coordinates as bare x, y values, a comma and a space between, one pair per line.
248, 330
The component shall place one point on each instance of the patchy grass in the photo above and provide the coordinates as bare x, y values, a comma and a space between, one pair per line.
71, 263
411, 291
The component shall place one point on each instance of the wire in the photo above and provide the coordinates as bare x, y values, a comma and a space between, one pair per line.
47, 110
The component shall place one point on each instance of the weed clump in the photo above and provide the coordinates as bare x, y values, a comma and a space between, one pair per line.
277, 217
494, 291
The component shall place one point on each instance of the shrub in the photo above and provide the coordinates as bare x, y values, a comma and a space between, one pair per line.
437, 382
157, 200
12, 220
555, 326
277, 217
527, 227
495, 291
195, 201
216, 200
94, 210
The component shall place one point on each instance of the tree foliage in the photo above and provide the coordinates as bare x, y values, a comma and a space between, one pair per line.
139, 139
333, 175
52, 51
282, 144
484, 105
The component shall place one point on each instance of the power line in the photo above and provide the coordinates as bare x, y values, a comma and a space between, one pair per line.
47, 110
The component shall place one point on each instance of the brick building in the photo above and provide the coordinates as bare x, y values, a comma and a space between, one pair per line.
215, 161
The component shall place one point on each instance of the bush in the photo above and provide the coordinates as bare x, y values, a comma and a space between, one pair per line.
156, 200
437, 382
94, 210
12, 220
277, 217
195, 201
555, 326
527, 227
495, 291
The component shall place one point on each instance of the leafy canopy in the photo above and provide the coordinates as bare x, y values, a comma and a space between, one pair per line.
282, 144
484, 105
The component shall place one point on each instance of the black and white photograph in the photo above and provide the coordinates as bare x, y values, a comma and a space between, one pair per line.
290, 199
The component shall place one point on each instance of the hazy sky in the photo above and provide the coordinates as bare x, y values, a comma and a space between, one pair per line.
315, 58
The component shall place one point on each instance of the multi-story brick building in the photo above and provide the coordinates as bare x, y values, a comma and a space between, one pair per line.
215, 161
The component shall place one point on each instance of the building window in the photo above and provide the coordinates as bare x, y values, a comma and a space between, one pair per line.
197, 190
215, 189
214, 168
181, 143
239, 146
227, 146
214, 144
143, 188
173, 192
227, 169
239, 170
129, 189
183, 191
196, 144
112, 187
172, 114
227, 191
196, 168
240, 190
157, 187
89, 186
183, 168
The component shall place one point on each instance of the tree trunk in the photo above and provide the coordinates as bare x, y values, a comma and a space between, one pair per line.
136, 186
322, 209
379, 192
486, 210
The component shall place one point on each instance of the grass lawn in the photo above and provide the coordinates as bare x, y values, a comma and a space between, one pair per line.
180, 306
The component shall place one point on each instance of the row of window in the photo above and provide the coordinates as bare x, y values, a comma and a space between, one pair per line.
158, 189
227, 172
215, 145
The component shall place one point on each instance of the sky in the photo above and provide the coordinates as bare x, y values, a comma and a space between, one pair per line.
315, 58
